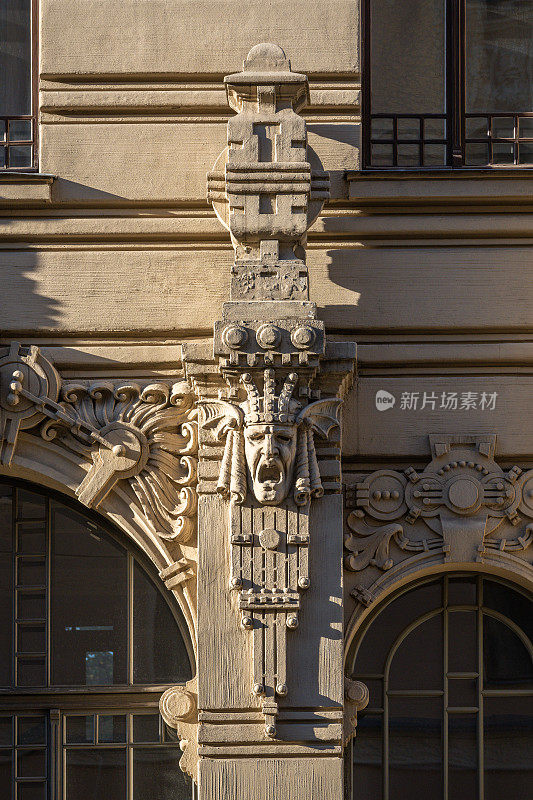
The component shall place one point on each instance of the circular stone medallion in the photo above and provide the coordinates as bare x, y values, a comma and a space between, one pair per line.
463, 494
269, 538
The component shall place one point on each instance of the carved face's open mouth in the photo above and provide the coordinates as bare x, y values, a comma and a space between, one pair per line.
269, 473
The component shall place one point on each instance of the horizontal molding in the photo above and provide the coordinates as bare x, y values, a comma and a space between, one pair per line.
481, 187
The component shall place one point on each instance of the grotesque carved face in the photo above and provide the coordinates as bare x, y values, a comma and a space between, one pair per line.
270, 454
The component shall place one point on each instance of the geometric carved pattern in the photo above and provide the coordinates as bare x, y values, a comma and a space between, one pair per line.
464, 500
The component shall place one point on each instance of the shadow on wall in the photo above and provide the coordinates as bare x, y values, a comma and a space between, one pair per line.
24, 309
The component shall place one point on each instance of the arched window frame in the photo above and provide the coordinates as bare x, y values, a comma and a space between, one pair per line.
373, 617
57, 704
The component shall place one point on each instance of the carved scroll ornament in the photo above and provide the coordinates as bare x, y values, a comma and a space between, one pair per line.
145, 435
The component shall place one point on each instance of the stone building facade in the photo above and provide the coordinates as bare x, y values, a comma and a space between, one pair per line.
266, 468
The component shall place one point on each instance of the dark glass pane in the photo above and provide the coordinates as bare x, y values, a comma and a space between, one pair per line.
375, 689
20, 155
508, 724
434, 128
31, 605
159, 652
31, 791
31, 639
146, 728
20, 130
394, 619
111, 728
31, 672
476, 155
30, 505
407, 64
462, 692
525, 153
31, 763
6, 731
476, 127
3, 156
31, 571
462, 641
415, 747
462, 755
156, 774
31, 730
512, 604
2, 131
94, 773
525, 127
31, 538
503, 128
499, 56
382, 129
6, 516
503, 153
89, 603
80, 729
462, 592
6, 757
367, 758
418, 662
408, 128
408, 155
6, 618
506, 661
435, 155
382, 155
15, 57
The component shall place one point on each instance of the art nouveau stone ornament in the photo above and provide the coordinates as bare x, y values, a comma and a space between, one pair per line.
463, 508
146, 435
269, 441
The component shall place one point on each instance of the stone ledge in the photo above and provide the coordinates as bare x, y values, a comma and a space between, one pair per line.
21, 188
494, 186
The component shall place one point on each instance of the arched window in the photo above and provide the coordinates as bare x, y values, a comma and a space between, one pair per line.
450, 672
88, 643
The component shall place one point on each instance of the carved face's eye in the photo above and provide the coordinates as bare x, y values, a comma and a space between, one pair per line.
284, 438
256, 437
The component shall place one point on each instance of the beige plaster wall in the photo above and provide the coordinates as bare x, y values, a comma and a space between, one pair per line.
123, 246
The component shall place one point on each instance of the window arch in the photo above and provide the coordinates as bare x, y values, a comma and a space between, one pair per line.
449, 666
88, 643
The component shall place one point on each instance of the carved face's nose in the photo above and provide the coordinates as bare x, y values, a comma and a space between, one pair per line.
270, 446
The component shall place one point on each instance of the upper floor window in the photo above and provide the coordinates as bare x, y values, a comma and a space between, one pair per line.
18, 52
448, 83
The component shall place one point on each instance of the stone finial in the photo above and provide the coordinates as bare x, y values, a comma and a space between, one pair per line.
262, 187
